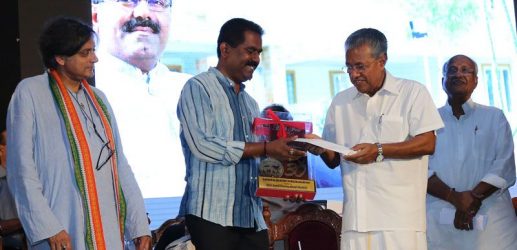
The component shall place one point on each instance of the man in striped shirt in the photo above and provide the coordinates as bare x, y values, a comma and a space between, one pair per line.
221, 154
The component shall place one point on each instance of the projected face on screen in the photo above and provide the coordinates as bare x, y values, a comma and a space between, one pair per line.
143, 92
132, 30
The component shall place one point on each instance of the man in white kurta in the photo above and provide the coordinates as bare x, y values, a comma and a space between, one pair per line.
389, 122
145, 107
474, 148
142, 90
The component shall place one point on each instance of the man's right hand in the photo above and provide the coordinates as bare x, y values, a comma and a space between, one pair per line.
465, 202
467, 207
60, 241
280, 150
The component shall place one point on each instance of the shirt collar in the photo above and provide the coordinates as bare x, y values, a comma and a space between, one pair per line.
227, 81
468, 107
119, 65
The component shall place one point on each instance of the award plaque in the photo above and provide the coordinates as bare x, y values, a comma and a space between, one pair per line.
289, 178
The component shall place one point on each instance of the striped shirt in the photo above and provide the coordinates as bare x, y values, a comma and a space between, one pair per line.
215, 125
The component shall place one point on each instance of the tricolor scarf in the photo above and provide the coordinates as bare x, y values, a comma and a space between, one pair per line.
83, 167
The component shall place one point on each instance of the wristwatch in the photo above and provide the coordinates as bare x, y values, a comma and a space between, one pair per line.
380, 156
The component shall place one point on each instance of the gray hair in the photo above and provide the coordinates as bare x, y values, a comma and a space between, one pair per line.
371, 37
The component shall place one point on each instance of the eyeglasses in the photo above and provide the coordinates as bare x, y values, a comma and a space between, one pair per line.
86, 52
154, 5
359, 67
452, 71
110, 154
105, 147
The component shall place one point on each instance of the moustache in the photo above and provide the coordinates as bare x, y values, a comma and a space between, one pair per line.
456, 80
130, 25
252, 63
358, 79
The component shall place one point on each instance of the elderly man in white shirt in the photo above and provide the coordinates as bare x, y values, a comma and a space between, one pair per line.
390, 123
469, 206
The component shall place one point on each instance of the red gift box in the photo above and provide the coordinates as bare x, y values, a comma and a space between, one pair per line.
280, 179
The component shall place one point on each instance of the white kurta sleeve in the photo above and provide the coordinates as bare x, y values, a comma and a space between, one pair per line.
424, 116
502, 170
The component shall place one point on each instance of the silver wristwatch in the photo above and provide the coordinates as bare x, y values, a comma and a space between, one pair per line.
380, 156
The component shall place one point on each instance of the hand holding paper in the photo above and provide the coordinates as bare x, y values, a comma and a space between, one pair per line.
366, 153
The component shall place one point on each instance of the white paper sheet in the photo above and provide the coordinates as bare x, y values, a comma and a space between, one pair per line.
327, 145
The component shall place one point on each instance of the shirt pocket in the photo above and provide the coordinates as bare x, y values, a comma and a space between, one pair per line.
483, 144
391, 129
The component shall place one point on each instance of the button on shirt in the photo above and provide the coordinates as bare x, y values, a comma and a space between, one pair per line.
388, 195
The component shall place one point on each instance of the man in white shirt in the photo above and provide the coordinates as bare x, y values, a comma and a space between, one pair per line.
142, 91
469, 206
390, 123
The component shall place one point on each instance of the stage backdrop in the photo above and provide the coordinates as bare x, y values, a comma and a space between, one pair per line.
301, 63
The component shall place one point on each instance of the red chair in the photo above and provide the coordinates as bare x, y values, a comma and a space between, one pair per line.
514, 201
310, 227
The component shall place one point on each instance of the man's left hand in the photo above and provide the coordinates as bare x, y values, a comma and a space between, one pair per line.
463, 221
143, 242
313, 149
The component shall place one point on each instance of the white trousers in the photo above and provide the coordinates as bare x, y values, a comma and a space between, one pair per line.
383, 240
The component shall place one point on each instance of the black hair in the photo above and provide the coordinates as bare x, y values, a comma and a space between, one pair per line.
279, 110
276, 107
371, 37
232, 32
63, 36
